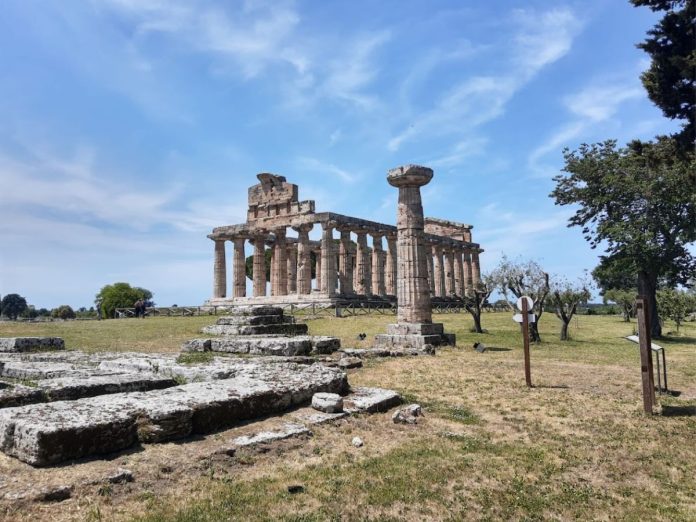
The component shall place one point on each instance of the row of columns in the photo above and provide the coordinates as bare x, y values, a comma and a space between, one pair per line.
451, 271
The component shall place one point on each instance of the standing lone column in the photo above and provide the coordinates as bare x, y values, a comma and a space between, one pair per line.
279, 267
328, 260
362, 286
220, 270
345, 264
449, 272
438, 271
239, 284
259, 266
291, 270
390, 271
377, 266
458, 273
304, 261
468, 278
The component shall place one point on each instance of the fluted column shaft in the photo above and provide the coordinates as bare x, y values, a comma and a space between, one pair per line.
475, 268
362, 286
219, 270
377, 266
390, 270
304, 261
468, 277
328, 261
279, 267
345, 266
459, 273
431, 270
259, 267
438, 271
239, 284
449, 272
317, 269
291, 269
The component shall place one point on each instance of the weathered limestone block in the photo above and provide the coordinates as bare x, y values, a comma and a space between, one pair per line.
67, 388
371, 400
408, 414
327, 402
322, 344
315, 417
255, 310
19, 395
288, 430
31, 370
250, 320
196, 345
31, 344
270, 329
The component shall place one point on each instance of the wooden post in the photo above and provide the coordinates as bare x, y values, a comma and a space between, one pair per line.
525, 337
646, 364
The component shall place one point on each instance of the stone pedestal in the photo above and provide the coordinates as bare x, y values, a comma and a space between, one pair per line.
414, 328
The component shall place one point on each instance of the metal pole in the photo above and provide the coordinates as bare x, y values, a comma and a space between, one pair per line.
525, 337
646, 367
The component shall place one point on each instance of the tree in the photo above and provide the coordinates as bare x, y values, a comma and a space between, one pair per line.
523, 278
640, 203
671, 78
120, 295
626, 299
675, 305
63, 312
618, 275
565, 299
12, 305
477, 298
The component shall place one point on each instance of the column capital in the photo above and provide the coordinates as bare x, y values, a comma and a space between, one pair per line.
303, 228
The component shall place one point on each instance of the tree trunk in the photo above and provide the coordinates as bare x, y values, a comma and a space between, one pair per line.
534, 332
564, 331
477, 322
647, 286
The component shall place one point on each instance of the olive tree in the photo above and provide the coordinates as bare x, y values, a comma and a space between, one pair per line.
565, 298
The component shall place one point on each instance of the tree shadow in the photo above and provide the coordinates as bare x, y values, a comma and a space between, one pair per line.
679, 411
552, 386
496, 349
676, 339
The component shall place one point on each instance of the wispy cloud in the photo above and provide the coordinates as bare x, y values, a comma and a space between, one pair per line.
322, 167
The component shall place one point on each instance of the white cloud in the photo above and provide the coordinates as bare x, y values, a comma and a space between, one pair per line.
322, 167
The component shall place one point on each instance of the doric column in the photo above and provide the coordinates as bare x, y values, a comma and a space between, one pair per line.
328, 260
468, 277
279, 267
458, 272
476, 267
291, 270
431, 270
449, 272
377, 266
304, 261
438, 271
413, 294
259, 266
317, 269
345, 263
239, 284
362, 285
390, 270
219, 270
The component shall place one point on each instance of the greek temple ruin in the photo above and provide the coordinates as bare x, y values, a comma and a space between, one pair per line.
345, 270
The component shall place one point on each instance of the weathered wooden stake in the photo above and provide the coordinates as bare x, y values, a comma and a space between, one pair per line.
525, 337
646, 364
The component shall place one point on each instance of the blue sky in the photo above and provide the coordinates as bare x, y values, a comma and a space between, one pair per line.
130, 128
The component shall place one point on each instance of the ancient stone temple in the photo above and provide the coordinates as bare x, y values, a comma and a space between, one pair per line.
342, 266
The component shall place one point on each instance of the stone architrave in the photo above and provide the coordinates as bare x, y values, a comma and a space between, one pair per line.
438, 271
291, 271
390, 269
220, 270
304, 260
377, 266
449, 272
362, 286
458, 273
345, 263
328, 260
259, 266
280, 284
239, 284
468, 278
415, 328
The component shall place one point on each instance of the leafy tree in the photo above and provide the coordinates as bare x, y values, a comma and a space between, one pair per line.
640, 203
565, 298
120, 295
477, 298
615, 274
30, 312
675, 305
523, 278
63, 312
12, 305
671, 78
626, 299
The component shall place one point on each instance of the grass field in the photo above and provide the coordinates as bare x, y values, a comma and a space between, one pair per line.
576, 446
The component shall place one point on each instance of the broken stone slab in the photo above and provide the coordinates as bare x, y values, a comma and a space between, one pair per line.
287, 431
49, 433
66, 388
20, 395
269, 329
371, 400
348, 363
54, 494
327, 402
30, 370
31, 344
407, 415
315, 417
324, 345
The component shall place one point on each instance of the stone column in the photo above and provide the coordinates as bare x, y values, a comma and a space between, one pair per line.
390, 271
458, 272
362, 286
304, 261
378, 266
291, 270
259, 267
239, 285
449, 272
438, 271
328, 260
431, 269
317, 269
279, 267
345, 263
219, 270
468, 278
476, 268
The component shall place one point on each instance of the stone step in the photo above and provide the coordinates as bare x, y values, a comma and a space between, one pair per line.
256, 310
370, 400
270, 329
251, 320
265, 345
31, 344
49, 433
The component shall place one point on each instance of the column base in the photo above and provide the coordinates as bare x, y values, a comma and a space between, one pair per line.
414, 335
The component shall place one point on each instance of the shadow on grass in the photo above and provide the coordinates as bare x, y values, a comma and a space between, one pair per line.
679, 411
676, 339
552, 386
